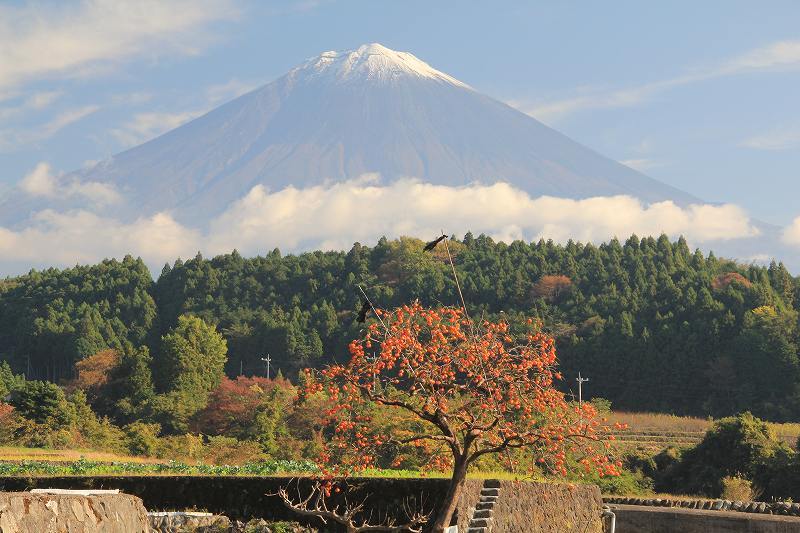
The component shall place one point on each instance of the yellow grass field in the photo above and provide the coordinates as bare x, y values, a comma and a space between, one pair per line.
10, 453
658, 430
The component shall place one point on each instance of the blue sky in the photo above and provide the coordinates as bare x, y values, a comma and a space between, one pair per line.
700, 95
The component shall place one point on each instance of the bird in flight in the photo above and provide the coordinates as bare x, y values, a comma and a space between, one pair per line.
362, 313
431, 245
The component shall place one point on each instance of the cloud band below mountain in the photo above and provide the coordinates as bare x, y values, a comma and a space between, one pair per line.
336, 215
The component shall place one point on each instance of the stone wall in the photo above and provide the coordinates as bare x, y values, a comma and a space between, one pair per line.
642, 519
779, 508
523, 506
547, 507
23, 512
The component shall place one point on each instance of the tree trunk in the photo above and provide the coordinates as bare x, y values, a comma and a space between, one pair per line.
450, 501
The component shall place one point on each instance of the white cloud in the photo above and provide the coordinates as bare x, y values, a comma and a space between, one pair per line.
334, 216
83, 237
35, 102
791, 233
66, 39
11, 138
784, 139
229, 90
145, 126
759, 259
775, 55
131, 98
41, 182
62, 120
783, 54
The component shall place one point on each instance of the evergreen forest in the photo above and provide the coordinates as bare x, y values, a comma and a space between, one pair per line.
654, 325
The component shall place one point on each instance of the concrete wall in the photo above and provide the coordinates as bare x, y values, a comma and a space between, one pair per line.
638, 519
23, 512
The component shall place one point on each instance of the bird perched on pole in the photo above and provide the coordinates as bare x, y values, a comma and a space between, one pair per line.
431, 245
362, 313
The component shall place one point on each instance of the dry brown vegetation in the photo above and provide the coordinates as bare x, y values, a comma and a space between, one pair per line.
550, 287
659, 430
661, 422
14, 453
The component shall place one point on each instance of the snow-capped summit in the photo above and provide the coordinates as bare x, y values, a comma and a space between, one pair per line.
339, 116
369, 62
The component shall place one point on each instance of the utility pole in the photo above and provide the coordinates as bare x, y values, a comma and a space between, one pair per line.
267, 360
580, 381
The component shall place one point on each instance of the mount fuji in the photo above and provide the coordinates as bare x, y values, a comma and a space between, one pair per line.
345, 114
369, 131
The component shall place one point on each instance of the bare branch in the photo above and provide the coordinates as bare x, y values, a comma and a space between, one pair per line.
316, 505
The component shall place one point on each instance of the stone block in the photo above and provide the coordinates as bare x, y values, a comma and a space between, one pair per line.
176, 522
25, 512
480, 522
482, 513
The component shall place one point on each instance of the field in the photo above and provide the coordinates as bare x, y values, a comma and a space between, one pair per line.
655, 431
10, 453
645, 431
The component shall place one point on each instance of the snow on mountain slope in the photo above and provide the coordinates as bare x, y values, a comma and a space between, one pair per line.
369, 62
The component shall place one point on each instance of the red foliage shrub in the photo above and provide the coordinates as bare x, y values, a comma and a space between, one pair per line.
723, 280
550, 287
234, 404
8, 423
93, 373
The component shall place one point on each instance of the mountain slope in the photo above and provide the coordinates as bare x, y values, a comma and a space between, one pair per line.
370, 110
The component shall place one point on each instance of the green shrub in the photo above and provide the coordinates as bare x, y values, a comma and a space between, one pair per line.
227, 450
9, 424
737, 488
142, 439
627, 483
737, 446
41, 402
602, 405
180, 447
278, 527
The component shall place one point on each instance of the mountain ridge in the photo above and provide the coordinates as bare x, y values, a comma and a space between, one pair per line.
345, 114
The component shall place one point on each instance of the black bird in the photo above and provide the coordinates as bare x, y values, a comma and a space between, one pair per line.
431, 245
362, 314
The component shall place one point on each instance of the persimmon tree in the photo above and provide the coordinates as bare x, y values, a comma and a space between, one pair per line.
472, 389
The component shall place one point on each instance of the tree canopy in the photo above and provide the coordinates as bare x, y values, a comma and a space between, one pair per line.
653, 324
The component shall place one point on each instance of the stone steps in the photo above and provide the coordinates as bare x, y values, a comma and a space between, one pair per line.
481, 520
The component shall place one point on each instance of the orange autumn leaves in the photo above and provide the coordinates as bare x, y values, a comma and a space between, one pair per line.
432, 383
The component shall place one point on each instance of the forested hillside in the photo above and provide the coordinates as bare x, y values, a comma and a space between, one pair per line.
653, 325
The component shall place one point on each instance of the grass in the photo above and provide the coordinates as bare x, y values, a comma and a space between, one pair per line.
659, 422
787, 432
649, 431
84, 467
12, 453
18, 462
